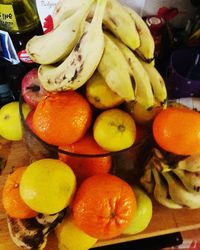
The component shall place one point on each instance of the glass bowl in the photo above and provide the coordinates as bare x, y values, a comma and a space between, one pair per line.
127, 163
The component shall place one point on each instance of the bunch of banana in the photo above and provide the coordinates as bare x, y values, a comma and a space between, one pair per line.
176, 185
142, 86
104, 36
32, 233
40, 48
81, 63
115, 70
147, 45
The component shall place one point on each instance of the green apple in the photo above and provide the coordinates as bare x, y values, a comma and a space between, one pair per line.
10, 122
100, 95
143, 215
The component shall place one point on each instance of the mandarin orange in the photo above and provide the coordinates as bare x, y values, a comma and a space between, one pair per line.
103, 206
84, 167
177, 130
12, 201
62, 118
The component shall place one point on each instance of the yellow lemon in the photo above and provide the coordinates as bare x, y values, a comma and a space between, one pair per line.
99, 94
10, 123
47, 186
114, 130
70, 237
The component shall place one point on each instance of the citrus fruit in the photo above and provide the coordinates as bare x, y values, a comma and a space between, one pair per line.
71, 237
29, 119
143, 215
114, 130
103, 206
177, 130
140, 114
10, 123
47, 186
84, 167
99, 94
12, 201
62, 118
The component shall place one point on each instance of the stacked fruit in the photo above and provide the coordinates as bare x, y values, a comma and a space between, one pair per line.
115, 55
172, 174
107, 47
103, 206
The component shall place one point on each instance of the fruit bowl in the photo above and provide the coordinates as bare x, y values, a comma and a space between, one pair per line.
127, 163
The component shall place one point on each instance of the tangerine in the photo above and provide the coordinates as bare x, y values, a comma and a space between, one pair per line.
12, 201
103, 206
84, 167
177, 130
62, 118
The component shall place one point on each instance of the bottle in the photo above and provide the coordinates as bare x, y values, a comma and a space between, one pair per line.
20, 19
156, 25
18, 15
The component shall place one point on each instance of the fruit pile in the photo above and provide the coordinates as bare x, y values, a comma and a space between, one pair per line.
96, 82
172, 173
89, 46
44, 196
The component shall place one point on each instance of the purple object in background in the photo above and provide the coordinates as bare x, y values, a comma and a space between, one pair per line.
177, 81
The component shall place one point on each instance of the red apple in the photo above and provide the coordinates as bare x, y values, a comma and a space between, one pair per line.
32, 90
29, 119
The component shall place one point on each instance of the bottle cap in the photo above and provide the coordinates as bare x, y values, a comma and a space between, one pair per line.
155, 24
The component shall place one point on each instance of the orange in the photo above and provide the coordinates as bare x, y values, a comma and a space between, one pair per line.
84, 167
62, 118
177, 130
12, 201
103, 206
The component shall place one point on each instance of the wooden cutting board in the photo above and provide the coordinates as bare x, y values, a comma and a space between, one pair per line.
164, 220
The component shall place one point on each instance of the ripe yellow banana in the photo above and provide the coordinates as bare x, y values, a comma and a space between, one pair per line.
64, 9
179, 194
161, 192
191, 163
32, 233
143, 90
191, 180
57, 44
157, 82
147, 180
147, 45
115, 70
81, 63
118, 20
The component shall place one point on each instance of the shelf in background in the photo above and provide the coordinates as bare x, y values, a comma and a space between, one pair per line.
164, 221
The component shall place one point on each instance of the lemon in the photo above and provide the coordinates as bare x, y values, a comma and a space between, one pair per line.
143, 215
10, 123
70, 237
99, 94
114, 130
141, 115
47, 186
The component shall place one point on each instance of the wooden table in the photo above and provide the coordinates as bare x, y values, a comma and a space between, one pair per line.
164, 220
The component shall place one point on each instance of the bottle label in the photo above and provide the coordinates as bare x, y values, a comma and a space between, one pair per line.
24, 57
7, 17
